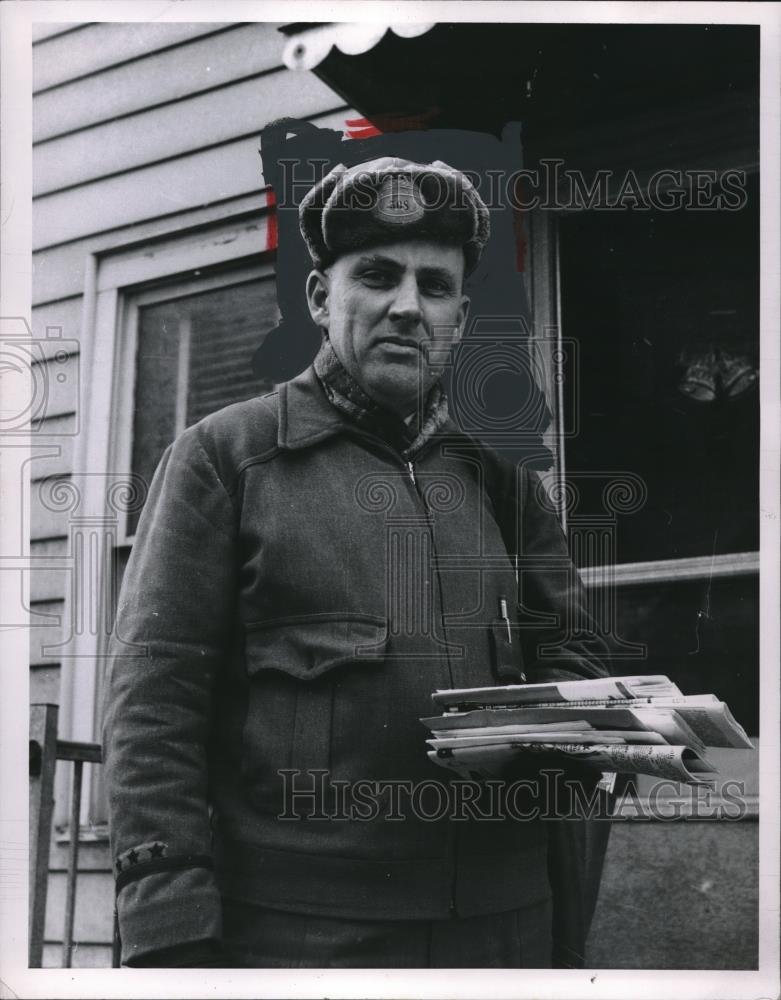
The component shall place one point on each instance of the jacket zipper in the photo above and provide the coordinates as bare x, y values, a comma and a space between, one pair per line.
452, 832
409, 468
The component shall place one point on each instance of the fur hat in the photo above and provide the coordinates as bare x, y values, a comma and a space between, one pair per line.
390, 199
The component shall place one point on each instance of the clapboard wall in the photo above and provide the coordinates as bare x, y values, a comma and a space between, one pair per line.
140, 130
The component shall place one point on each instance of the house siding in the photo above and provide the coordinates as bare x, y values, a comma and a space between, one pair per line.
140, 130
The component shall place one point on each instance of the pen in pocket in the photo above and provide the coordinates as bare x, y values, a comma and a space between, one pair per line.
505, 618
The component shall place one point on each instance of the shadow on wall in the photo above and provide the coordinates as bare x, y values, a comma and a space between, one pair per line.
500, 398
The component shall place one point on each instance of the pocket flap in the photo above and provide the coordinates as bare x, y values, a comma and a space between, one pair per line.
307, 646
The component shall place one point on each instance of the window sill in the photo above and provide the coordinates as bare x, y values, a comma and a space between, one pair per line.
701, 567
97, 834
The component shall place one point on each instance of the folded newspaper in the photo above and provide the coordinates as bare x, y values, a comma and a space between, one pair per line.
638, 725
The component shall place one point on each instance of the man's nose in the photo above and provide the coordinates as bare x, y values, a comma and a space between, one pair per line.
406, 303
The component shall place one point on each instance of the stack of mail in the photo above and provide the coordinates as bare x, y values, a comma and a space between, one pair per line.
638, 725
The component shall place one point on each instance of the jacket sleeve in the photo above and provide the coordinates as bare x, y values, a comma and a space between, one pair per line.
570, 646
559, 639
171, 637
550, 586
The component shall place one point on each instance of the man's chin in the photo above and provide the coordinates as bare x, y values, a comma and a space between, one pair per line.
401, 395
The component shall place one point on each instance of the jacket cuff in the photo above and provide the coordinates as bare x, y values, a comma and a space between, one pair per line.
193, 955
167, 909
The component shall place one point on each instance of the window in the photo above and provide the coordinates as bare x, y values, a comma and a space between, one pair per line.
193, 356
184, 311
665, 308
188, 350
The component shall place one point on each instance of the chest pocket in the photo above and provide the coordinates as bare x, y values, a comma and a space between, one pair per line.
291, 666
308, 646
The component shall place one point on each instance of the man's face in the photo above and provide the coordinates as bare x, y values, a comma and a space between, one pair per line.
384, 307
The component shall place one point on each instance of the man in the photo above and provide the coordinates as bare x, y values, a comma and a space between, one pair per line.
309, 567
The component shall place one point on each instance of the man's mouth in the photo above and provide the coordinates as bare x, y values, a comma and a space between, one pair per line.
404, 343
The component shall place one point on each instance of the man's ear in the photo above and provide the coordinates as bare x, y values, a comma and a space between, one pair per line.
463, 313
317, 298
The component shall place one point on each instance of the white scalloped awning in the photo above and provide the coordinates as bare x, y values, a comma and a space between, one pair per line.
308, 49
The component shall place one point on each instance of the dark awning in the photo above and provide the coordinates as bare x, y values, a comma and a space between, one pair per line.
555, 78
308, 48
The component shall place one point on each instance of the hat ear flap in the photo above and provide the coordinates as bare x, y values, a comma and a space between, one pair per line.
310, 212
482, 215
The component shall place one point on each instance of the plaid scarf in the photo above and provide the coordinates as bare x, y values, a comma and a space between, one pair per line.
346, 395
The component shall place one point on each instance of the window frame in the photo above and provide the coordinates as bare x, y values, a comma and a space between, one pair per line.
547, 340
188, 258
133, 300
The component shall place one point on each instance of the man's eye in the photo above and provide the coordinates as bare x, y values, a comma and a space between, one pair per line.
436, 287
377, 279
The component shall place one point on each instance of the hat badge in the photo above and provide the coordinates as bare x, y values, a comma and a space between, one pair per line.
399, 201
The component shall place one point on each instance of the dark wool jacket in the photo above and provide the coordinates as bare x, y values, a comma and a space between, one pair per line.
296, 591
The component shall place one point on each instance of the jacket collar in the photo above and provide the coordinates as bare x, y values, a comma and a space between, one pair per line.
307, 415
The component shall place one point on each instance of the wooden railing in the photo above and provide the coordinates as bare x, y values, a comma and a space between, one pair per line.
45, 751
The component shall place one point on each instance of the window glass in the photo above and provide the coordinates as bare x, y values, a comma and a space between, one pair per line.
664, 308
194, 356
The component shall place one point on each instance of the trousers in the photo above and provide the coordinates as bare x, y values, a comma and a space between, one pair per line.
258, 937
